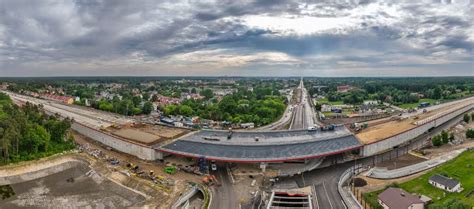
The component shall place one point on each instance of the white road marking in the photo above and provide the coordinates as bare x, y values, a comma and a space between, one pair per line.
327, 195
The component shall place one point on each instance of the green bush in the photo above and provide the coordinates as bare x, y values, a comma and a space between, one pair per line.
470, 133
437, 141
466, 118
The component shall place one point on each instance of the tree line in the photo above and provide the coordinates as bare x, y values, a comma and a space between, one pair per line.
28, 133
261, 106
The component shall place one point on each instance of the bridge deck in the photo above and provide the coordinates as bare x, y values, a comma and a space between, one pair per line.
262, 153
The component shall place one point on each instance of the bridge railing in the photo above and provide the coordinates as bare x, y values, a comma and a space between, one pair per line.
348, 197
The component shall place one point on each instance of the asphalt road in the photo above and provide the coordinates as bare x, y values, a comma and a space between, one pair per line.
224, 195
325, 180
303, 115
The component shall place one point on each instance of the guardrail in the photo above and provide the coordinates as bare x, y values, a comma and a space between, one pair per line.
184, 199
348, 198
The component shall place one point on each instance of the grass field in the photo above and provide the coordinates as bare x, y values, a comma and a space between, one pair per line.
461, 168
325, 101
413, 105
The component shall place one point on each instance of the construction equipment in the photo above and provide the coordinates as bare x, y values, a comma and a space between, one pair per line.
134, 168
170, 170
202, 162
210, 180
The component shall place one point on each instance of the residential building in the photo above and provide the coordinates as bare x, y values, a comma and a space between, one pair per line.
344, 88
247, 125
445, 183
396, 198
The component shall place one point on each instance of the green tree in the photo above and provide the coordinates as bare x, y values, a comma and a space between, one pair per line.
437, 141
207, 93
445, 137
466, 118
147, 108
437, 93
154, 98
146, 96
185, 110
228, 104
470, 133
170, 110
318, 106
136, 100
451, 137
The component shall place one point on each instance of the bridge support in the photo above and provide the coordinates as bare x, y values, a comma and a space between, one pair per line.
263, 166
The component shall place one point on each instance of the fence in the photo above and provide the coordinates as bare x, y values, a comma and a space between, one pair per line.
348, 197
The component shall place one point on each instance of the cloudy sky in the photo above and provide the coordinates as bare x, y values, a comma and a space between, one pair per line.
236, 38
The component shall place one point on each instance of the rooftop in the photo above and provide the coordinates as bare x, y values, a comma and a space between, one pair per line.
396, 198
443, 180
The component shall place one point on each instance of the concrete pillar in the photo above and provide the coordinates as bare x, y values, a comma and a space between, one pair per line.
263, 166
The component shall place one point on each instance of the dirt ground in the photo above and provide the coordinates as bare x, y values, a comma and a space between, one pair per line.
402, 161
244, 189
381, 131
137, 135
167, 197
148, 134
75, 188
164, 131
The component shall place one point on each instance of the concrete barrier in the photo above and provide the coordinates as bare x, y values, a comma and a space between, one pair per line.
185, 197
348, 198
123, 145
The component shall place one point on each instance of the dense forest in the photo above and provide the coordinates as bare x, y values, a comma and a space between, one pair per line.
27, 133
393, 90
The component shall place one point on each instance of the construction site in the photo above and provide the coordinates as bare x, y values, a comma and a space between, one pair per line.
168, 159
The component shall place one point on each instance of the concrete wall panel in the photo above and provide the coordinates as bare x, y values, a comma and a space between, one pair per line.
122, 145
391, 142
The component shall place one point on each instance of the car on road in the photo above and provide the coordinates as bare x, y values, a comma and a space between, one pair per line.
312, 128
213, 167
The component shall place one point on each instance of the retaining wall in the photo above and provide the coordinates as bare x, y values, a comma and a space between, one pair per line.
123, 145
36, 174
399, 139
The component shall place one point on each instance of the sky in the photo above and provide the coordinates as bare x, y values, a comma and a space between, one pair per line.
236, 38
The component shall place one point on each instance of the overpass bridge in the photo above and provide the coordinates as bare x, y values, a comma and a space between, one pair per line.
260, 146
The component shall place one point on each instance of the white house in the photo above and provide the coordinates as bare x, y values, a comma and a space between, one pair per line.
247, 125
445, 183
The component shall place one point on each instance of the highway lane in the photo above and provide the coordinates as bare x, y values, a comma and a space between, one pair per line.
322, 196
224, 195
302, 113
325, 179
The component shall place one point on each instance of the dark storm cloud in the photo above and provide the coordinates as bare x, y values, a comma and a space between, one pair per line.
42, 32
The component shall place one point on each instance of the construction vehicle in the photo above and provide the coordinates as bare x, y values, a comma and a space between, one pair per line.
210, 180
170, 170
134, 168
